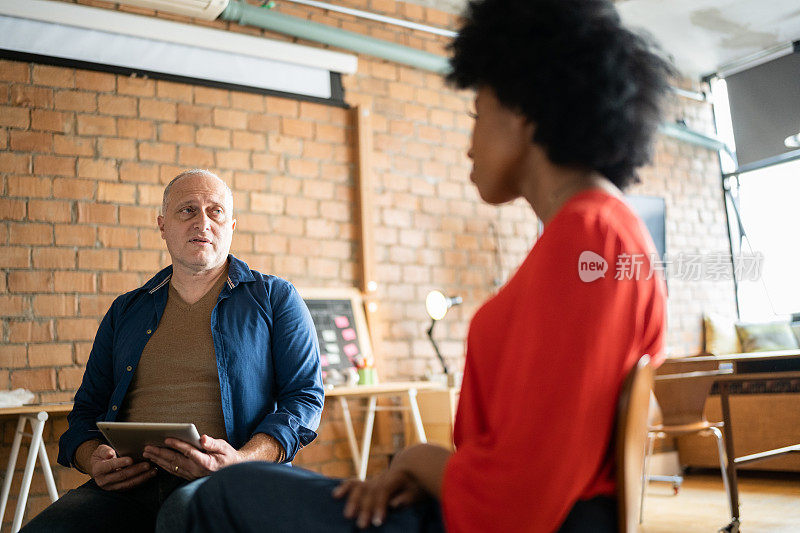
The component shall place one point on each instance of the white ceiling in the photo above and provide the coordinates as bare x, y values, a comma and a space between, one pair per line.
702, 36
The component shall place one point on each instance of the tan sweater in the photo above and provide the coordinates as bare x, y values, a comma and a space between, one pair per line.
176, 379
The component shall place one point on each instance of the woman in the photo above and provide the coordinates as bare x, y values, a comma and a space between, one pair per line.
566, 108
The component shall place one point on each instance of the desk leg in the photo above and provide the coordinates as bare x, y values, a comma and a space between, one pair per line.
351, 434
365, 445
412, 402
727, 429
37, 425
12, 463
48, 472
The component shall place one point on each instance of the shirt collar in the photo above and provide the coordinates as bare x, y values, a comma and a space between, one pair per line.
238, 272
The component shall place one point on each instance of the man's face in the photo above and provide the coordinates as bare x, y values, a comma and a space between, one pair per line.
197, 223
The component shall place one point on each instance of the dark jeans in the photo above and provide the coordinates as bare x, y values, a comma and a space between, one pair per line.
267, 497
90, 508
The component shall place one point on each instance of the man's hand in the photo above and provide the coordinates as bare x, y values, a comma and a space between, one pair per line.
184, 460
367, 501
117, 473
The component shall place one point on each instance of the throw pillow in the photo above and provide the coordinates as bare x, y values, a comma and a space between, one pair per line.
720, 335
766, 336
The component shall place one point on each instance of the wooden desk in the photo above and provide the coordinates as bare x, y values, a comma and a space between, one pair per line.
723, 383
372, 393
37, 415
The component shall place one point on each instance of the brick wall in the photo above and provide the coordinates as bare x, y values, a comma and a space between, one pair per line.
84, 157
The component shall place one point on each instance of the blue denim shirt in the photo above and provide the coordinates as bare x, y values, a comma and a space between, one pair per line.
267, 360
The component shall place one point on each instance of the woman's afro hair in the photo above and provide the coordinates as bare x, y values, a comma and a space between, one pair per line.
591, 87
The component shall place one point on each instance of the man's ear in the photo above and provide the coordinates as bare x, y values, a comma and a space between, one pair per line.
160, 220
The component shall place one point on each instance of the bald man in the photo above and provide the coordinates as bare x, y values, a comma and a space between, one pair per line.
207, 340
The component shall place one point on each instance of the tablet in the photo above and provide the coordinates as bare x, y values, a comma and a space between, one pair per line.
130, 438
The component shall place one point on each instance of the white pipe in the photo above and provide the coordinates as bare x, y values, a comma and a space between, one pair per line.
373, 16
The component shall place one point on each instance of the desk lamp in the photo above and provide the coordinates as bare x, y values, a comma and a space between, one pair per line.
437, 305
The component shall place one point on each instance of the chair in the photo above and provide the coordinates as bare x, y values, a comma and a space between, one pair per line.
682, 398
631, 433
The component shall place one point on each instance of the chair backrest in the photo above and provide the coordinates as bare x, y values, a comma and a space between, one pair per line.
631, 434
682, 397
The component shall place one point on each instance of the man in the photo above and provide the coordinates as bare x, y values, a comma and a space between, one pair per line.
208, 341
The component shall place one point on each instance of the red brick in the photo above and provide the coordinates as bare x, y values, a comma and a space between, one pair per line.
14, 71
233, 159
282, 106
134, 128
138, 172
98, 305
34, 380
116, 106
50, 210
230, 118
81, 282
158, 110
267, 203
13, 356
191, 156
98, 259
304, 168
76, 329
13, 305
73, 188
161, 152
137, 216
150, 239
54, 305
72, 235
71, 145
96, 213
95, 81
14, 117
70, 378
14, 257
54, 165
27, 96
263, 123
243, 140
12, 209
283, 144
140, 261
99, 169
214, 137
27, 281
150, 194
116, 283
176, 133
194, 114
53, 76
49, 354
31, 141
55, 258
116, 237
297, 128
117, 148
207, 95
174, 91
3, 138
135, 86
56, 121
75, 101
30, 233
247, 101
96, 125
267, 162
17, 163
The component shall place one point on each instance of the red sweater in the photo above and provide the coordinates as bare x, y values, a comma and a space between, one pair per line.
546, 358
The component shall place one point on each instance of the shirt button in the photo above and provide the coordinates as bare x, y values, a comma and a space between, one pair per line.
129, 368
113, 407
149, 331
